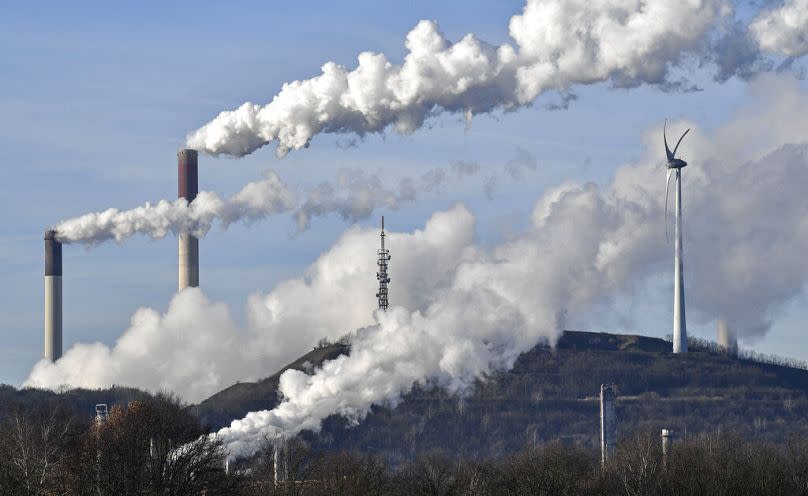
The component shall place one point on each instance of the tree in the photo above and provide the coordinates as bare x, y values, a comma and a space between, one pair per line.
32, 451
350, 474
153, 447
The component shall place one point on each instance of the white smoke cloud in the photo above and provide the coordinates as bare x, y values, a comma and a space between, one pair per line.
195, 349
461, 310
558, 44
453, 342
255, 201
783, 30
353, 194
743, 259
497, 304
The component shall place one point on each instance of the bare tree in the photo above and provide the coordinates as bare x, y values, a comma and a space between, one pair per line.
432, 474
154, 447
293, 466
34, 450
637, 465
349, 474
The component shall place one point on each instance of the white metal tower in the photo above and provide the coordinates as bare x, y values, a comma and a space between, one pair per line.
675, 166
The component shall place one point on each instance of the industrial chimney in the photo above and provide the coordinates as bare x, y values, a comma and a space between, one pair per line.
608, 423
188, 187
727, 340
667, 441
53, 296
276, 460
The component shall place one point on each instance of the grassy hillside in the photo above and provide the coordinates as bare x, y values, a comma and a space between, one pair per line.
551, 394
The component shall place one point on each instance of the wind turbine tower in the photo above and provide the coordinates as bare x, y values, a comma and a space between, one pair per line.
675, 166
381, 275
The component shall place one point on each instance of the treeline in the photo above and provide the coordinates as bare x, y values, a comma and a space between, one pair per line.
149, 446
705, 465
154, 446
696, 344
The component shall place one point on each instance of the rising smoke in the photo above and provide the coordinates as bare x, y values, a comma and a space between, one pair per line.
462, 310
557, 44
155, 352
584, 244
354, 195
255, 201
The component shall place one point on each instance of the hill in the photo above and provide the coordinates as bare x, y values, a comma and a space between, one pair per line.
78, 402
235, 401
551, 394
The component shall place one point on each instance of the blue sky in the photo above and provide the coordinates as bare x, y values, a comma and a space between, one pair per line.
97, 98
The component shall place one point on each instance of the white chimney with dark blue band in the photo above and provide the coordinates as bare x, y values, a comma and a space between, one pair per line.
53, 296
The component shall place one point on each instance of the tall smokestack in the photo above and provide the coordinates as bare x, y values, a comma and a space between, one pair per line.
53, 296
188, 187
608, 423
727, 340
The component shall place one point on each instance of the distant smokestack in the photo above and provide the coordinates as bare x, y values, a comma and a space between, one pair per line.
53, 296
727, 340
608, 423
188, 187
667, 441
275, 465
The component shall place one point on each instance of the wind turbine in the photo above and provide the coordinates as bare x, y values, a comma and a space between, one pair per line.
675, 166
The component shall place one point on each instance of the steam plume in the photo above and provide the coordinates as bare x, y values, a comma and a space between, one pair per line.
354, 195
255, 201
557, 44
584, 245
462, 310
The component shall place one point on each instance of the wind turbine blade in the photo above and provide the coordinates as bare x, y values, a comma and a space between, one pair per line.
667, 189
665, 138
680, 140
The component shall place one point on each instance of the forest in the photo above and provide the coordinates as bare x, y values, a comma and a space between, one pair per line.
533, 429
154, 446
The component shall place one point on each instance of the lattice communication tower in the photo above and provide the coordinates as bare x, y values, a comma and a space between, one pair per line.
381, 275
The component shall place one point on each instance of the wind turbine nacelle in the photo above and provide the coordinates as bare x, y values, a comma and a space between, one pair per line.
676, 163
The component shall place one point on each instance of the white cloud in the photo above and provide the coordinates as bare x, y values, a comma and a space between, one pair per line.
783, 30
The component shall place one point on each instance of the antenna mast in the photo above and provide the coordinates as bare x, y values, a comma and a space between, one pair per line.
381, 275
